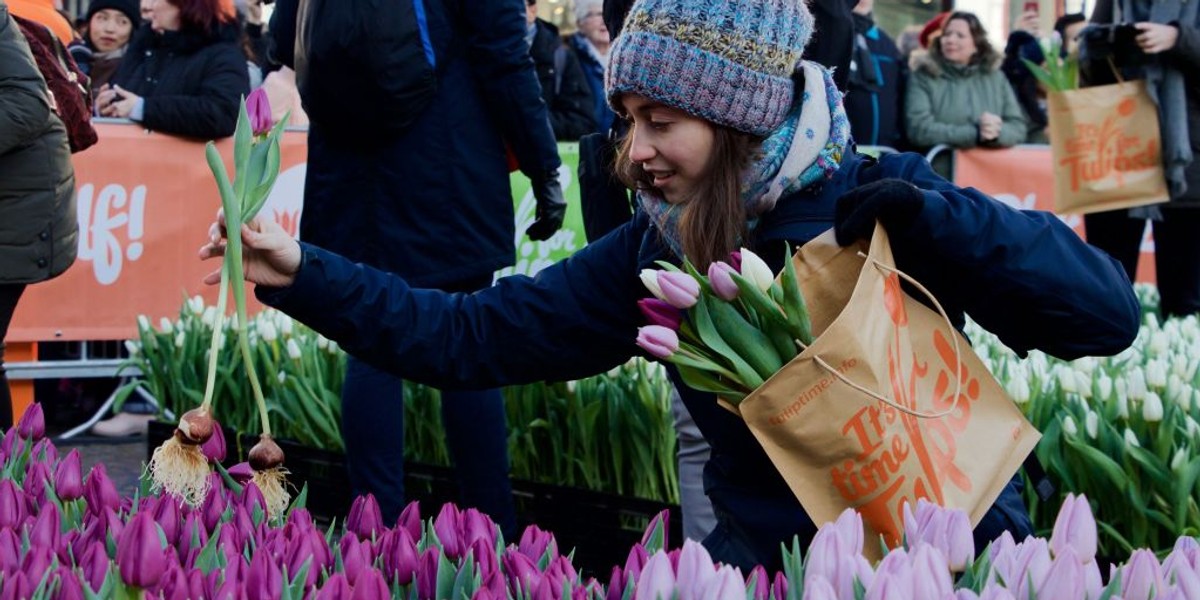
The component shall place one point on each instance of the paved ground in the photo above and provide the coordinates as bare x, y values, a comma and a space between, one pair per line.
124, 458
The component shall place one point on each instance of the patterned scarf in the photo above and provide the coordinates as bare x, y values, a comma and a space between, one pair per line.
805, 150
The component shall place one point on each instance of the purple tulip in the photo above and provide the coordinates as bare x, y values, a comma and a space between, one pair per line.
371, 586
37, 476
69, 587
678, 289
68, 477
1142, 576
446, 526
658, 341
658, 580
694, 571
17, 586
520, 570
241, 473
410, 519
258, 108
140, 557
400, 556
427, 572
12, 505
1076, 527
355, 558
100, 491
47, 529
660, 313
174, 584
723, 285
45, 451
486, 560
214, 448
193, 527
477, 526
264, 579
10, 551
11, 445
365, 519
534, 542
635, 561
37, 561
212, 509
166, 514
617, 583
735, 260
32, 425
335, 588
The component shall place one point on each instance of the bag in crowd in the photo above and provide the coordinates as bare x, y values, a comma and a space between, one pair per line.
366, 61
887, 405
1107, 148
70, 89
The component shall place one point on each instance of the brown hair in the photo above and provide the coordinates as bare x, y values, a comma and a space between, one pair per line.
984, 53
710, 226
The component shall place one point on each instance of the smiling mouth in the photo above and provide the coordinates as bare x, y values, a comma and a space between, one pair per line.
661, 177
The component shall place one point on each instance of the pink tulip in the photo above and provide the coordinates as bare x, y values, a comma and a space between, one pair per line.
47, 529
727, 585
1064, 580
657, 581
335, 588
617, 582
735, 260
355, 558
12, 505
893, 578
658, 341
723, 285
68, 584
365, 520
446, 526
660, 313
534, 543
258, 108
68, 477
931, 573
427, 572
760, 582
996, 592
1032, 563
1187, 581
140, 558
1075, 527
371, 586
32, 425
214, 448
1141, 577
100, 491
661, 523
410, 519
947, 530
820, 589
678, 289
695, 570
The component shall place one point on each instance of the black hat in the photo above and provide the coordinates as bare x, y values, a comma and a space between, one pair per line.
131, 8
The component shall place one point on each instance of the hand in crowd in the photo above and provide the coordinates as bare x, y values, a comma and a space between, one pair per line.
1028, 22
114, 101
254, 12
989, 126
270, 256
1155, 37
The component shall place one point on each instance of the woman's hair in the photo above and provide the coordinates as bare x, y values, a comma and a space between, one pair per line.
203, 16
711, 226
985, 54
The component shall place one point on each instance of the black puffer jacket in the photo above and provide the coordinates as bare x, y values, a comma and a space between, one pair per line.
192, 81
567, 95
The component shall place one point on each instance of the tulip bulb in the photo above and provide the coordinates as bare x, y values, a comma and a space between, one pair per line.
266, 454
195, 426
181, 469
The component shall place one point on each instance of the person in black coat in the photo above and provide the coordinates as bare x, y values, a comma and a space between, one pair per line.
184, 72
564, 87
875, 101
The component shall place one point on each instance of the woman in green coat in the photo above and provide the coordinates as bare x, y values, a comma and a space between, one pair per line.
38, 227
957, 94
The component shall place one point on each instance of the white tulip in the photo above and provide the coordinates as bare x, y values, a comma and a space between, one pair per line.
1131, 439
615, 371
322, 342
180, 338
649, 279
286, 325
1193, 428
1151, 321
1152, 408
293, 349
196, 304
1156, 374
756, 270
1066, 380
1176, 392
1069, 426
1105, 383
1086, 364
1137, 384
1179, 364
233, 322
266, 329
1091, 424
281, 376
209, 318
333, 347
571, 386
1018, 388
1083, 382
1122, 405
1159, 343
1193, 363
143, 323
164, 325
132, 347
1178, 460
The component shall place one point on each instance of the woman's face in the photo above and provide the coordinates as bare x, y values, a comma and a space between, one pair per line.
164, 16
675, 148
957, 44
109, 30
147, 7
592, 26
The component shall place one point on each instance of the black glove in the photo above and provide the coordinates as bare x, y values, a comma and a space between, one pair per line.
551, 208
893, 202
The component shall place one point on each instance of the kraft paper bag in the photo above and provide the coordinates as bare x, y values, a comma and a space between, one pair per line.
1107, 148
831, 419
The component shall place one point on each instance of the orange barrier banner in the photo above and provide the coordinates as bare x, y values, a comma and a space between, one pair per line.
1023, 177
144, 201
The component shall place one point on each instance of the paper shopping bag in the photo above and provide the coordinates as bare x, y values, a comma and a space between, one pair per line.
871, 414
1107, 148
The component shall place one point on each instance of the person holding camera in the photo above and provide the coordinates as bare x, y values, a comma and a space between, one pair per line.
1158, 40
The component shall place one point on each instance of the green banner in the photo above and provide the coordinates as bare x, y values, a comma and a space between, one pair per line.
535, 256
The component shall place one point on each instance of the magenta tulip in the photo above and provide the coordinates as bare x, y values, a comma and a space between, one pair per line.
45, 451
68, 585
36, 562
299, 552
410, 519
427, 572
477, 526
140, 558
335, 588
635, 561
760, 581
212, 509
100, 491
11, 445
174, 584
678, 289
660, 313
371, 586
447, 526
723, 285
400, 559
94, 565
68, 477
486, 560
192, 535
12, 505
355, 558
10, 550
37, 477
658, 341
520, 570
241, 473
735, 260
264, 578
617, 583
365, 520
534, 542
258, 108
167, 515
214, 448
779, 587
1076, 527
32, 425
47, 529
16, 587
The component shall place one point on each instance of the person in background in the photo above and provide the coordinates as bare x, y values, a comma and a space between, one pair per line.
590, 43
932, 29
108, 27
1068, 27
44, 12
147, 7
564, 87
875, 100
38, 225
184, 72
957, 95
1024, 44
908, 40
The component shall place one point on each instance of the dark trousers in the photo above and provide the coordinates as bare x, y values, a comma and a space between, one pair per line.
9, 294
1176, 252
476, 432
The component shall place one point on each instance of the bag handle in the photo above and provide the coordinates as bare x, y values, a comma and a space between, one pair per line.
957, 354
1115, 71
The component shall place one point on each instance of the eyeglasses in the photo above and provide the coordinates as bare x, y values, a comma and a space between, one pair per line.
593, 14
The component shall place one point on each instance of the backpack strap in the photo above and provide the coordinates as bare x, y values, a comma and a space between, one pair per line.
560, 63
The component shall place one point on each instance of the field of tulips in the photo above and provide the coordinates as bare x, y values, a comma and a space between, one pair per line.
67, 535
609, 433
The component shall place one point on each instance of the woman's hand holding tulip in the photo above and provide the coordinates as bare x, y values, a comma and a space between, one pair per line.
270, 256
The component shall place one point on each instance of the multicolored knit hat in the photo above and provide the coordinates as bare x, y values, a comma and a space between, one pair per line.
726, 61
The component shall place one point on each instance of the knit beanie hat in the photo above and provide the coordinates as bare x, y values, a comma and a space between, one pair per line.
131, 8
726, 61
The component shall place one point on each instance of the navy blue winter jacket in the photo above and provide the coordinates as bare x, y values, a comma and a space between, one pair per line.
1021, 274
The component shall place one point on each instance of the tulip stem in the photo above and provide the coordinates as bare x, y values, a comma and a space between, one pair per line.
210, 383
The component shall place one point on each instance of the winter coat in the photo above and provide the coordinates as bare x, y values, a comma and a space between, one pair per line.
944, 101
593, 71
875, 99
1022, 274
38, 226
192, 82
1023, 46
567, 95
433, 204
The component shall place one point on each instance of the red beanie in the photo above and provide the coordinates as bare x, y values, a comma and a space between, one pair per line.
932, 28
